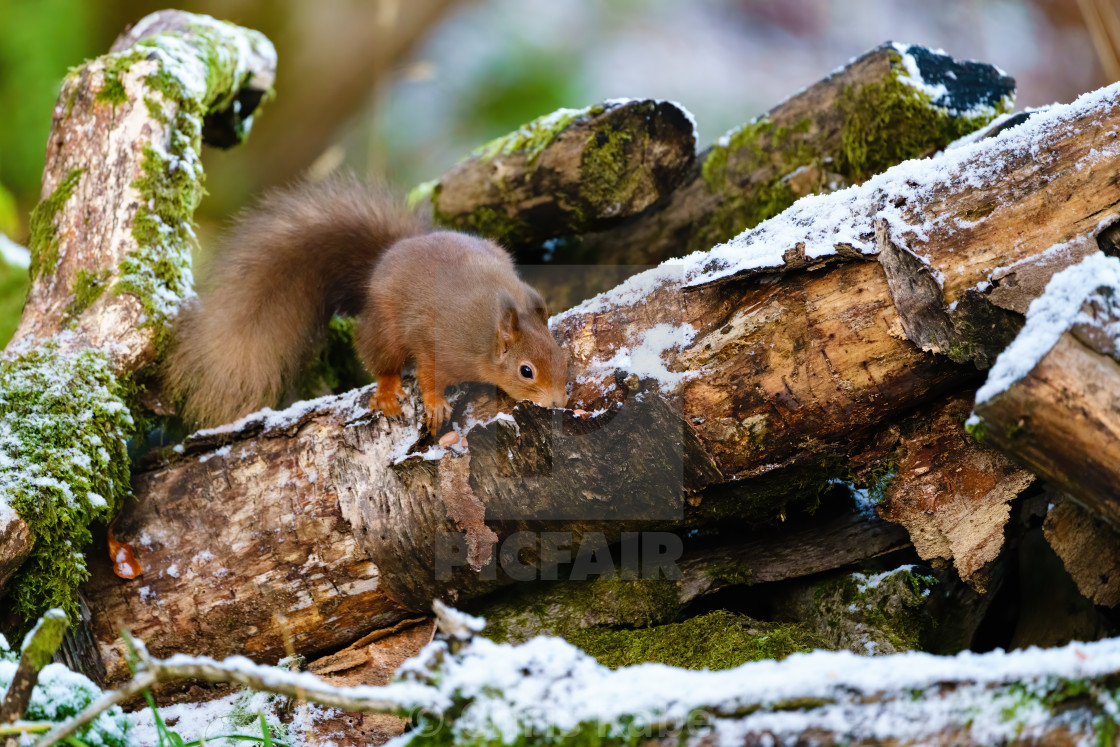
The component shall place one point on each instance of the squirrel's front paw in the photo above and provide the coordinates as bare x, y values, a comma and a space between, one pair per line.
436, 413
389, 390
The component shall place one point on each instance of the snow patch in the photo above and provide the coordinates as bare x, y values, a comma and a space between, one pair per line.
1095, 279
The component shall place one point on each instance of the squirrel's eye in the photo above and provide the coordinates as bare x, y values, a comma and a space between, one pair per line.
526, 372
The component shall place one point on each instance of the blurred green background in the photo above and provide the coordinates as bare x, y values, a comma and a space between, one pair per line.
404, 88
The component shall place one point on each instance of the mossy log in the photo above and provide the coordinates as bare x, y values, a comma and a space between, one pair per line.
519, 613
111, 239
110, 260
867, 116
719, 389
569, 172
1052, 401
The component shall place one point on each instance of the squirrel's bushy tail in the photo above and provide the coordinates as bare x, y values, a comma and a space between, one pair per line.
287, 264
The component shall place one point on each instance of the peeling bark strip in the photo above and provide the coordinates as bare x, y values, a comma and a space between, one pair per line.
571, 171
1052, 400
952, 494
871, 114
111, 239
1089, 549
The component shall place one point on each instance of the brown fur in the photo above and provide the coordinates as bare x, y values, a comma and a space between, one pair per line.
451, 301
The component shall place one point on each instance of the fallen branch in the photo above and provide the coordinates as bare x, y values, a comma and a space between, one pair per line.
548, 692
38, 647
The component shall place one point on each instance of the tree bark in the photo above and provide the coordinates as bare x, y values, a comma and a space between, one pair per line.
95, 271
951, 493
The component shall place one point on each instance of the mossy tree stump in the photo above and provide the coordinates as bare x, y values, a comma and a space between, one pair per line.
110, 246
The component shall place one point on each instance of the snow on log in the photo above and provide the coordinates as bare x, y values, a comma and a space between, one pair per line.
567, 172
109, 261
1052, 399
894, 102
548, 692
826, 353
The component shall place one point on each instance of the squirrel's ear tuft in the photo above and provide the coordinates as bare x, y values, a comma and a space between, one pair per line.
537, 304
509, 324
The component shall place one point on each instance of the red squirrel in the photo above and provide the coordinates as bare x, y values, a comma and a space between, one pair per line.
450, 301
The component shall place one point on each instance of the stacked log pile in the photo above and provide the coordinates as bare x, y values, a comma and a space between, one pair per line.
779, 414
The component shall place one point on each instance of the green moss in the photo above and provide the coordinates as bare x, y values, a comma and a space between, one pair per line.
63, 465
421, 193
336, 368
889, 122
716, 640
112, 90
157, 272
43, 242
730, 574
87, 287
563, 607
747, 169
883, 124
534, 137
976, 429
605, 179
488, 222
884, 610
881, 478
1022, 704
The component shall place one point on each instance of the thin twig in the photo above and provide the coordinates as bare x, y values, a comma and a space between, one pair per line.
241, 671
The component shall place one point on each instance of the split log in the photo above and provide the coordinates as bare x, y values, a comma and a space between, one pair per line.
869, 115
569, 172
732, 366
1089, 549
1052, 401
110, 259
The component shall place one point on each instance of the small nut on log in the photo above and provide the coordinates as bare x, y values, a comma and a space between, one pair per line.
448, 439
